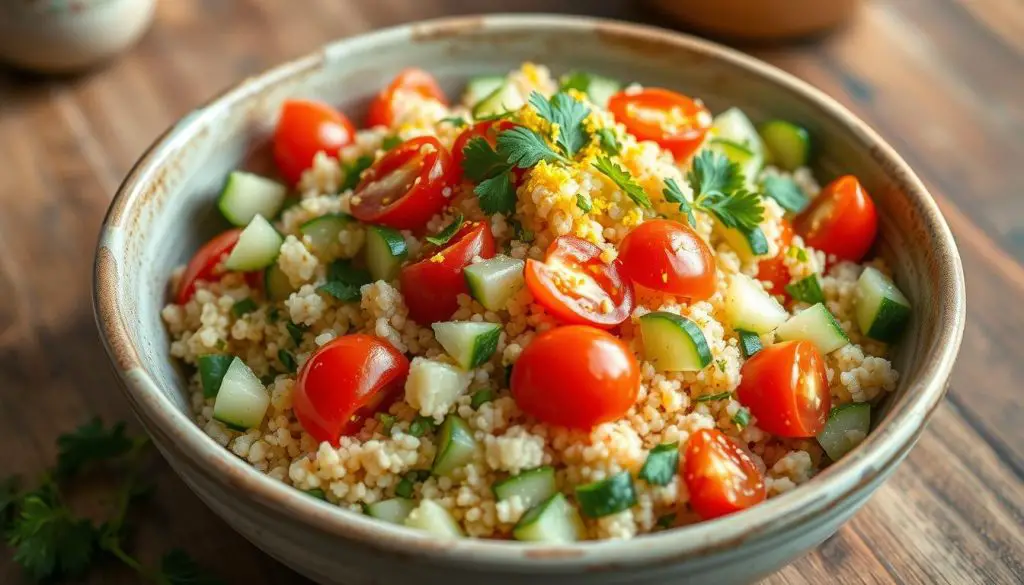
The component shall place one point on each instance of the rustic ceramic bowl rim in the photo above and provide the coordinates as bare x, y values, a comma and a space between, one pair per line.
883, 448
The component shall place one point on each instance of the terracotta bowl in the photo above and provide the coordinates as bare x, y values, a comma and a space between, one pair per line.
164, 210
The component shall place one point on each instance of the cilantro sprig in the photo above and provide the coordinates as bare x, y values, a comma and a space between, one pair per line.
624, 180
449, 231
718, 189
567, 114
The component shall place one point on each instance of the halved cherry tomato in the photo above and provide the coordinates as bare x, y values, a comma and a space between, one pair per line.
344, 382
408, 80
407, 186
786, 389
575, 376
204, 264
669, 257
720, 476
774, 269
842, 220
576, 286
304, 129
673, 120
488, 130
431, 286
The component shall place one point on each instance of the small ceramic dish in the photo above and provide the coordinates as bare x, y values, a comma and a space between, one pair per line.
164, 210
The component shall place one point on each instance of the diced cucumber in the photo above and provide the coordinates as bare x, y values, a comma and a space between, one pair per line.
807, 289
480, 87
276, 283
211, 372
455, 446
673, 343
506, 98
787, 145
882, 310
246, 195
608, 496
242, 400
817, 325
555, 520
532, 486
493, 282
749, 161
847, 426
431, 517
433, 386
395, 510
750, 342
323, 233
751, 309
733, 125
597, 87
662, 464
748, 244
258, 246
385, 252
471, 343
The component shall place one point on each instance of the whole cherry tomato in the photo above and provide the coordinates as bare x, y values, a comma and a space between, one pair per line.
409, 80
304, 129
575, 376
344, 382
669, 257
488, 130
576, 286
773, 270
204, 264
720, 476
407, 186
676, 122
842, 220
431, 286
786, 389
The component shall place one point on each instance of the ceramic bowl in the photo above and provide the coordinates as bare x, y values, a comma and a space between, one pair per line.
165, 209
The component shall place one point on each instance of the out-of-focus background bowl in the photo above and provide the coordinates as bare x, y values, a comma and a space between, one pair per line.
761, 20
165, 209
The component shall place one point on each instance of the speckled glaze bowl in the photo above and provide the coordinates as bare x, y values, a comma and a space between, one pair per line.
164, 210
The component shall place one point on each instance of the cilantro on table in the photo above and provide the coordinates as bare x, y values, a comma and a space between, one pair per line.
442, 237
344, 281
718, 189
51, 541
624, 180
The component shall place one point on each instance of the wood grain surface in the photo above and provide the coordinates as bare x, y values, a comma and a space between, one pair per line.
942, 80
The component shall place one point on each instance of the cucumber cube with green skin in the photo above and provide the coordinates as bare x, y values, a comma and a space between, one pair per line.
242, 399
246, 195
495, 281
817, 325
882, 310
505, 98
470, 343
533, 486
431, 517
258, 247
750, 308
554, 520
212, 369
276, 284
788, 146
846, 427
455, 446
480, 87
395, 510
323, 233
386, 250
608, 496
673, 343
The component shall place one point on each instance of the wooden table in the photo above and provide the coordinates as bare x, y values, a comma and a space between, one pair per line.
943, 80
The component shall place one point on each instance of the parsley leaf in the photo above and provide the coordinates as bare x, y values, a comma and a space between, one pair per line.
525, 148
568, 113
674, 194
448, 232
243, 307
353, 172
786, 192
742, 210
343, 291
178, 568
624, 180
712, 172
713, 397
718, 189
497, 194
583, 202
288, 360
609, 143
662, 464
296, 332
344, 281
89, 443
481, 397
48, 541
481, 162
421, 425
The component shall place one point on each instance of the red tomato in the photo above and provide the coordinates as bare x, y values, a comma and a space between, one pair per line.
576, 286
431, 286
407, 186
842, 220
575, 376
720, 476
344, 382
304, 129
203, 266
488, 130
786, 388
408, 80
674, 121
669, 257
774, 269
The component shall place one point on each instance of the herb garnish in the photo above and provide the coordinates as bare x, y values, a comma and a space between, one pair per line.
718, 189
448, 232
624, 180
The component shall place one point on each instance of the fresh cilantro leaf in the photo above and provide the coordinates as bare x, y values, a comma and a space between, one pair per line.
421, 425
742, 210
178, 568
390, 142
90, 443
243, 307
525, 148
481, 162
568, 113
786, 192
342, 291
296, 332
742, 417
712, 172
48, 541
343, 271
713, 397
354, 170
662, 464
481, 397
609, 143
287, 360
583, 202
674, 194
457, 121
448, 232
497, 194
624, 180
718, 189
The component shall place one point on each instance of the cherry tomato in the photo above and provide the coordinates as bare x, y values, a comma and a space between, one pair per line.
786, 388
842, 220
673, 120
431, 286
409, 80
304, 129
488, 130
344, 382
720, 476
773, 270
576, 286
669, 257
407, 186
204, 264
575, 376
